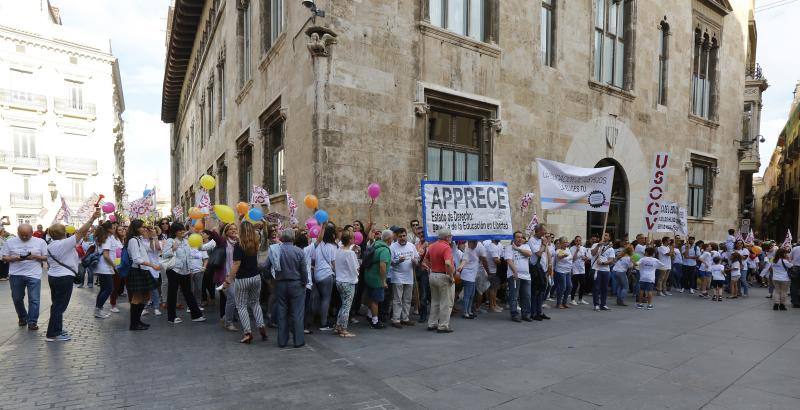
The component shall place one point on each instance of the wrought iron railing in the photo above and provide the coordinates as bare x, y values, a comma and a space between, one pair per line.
754, 72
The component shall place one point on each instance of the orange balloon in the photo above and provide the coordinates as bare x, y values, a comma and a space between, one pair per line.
242, 208
195, 213
311, 201
198, 226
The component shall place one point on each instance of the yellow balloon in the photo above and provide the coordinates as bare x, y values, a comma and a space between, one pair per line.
225, 213
195, 240
208, 182
70, 229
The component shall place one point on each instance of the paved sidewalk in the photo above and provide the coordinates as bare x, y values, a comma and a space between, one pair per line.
687, 353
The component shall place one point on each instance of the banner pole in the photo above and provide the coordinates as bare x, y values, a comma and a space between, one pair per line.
605, 222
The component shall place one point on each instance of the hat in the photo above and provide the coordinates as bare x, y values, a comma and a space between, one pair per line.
394, 228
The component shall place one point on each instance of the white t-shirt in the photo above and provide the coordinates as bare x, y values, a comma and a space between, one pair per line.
730, 242
691, 252
152, 254
403, 272
736, 269
647, 269
29, 267
794, 255
471, 262
64, 251
535, 245
492, 251
639, 248
563, 265
457, 255
706, 260
324, 255
717, 272
578, 263
677, 257
607, 255
780, 270
196, 257
111, 245
745, 256
309, 253
347, 265
623, 264
519, 260
663, 256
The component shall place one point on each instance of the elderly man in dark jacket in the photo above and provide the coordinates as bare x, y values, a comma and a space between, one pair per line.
291, 276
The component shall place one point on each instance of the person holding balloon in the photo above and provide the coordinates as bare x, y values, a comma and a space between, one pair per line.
179, 248
106, 244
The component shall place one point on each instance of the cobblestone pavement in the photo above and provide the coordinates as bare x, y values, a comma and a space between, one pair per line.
687, 353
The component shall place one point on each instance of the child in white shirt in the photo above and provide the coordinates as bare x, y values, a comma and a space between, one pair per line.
717, 278
736, 273
647, 277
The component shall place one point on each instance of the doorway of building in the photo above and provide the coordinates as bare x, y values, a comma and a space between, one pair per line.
617, 224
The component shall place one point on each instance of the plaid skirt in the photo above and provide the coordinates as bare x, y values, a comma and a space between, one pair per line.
140, 281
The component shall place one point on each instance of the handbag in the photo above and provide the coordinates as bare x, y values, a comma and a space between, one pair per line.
168, 262
216, 259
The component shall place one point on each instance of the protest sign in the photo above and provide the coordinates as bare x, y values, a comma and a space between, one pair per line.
658, 187
471, 210
563, 186
672, 218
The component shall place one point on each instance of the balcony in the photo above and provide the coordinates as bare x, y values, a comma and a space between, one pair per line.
23, 200
9, 160
23, 100
69, 108
76, 165
73, 201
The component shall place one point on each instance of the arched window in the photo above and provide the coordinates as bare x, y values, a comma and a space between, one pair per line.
704, 75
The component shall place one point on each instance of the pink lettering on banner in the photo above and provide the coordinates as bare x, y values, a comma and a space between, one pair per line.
658, 186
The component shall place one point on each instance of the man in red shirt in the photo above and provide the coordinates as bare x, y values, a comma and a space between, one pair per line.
39, 233
439, 260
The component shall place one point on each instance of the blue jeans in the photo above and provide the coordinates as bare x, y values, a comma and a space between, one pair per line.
18, 285
635, 288
324, 289
87, 276
469, 296
60, 293
423, 283
613, 285
519, 288
600, 288
155, 298
743, 282
106, 286
563, 284
621, 283
676, 278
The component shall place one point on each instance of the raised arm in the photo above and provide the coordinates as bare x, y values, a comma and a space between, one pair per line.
81, 232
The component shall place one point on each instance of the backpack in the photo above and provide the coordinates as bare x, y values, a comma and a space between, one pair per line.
368, 258
91, 259
125, 263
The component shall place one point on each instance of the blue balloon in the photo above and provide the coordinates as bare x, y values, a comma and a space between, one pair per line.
146, 192
321, 217
255, 214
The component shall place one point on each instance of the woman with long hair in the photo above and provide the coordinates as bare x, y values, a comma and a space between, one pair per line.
140, 281
105, 243
226, 239
780, 277
580, 255
244, 273
120, 232
359, 226
324, 265
177, 246
346, 279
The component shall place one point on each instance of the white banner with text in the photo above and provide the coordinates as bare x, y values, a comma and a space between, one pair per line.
564, 186
471, 210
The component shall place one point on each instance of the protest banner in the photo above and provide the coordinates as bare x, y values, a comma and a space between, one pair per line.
471, 210
672, 218
655, 194
563, 186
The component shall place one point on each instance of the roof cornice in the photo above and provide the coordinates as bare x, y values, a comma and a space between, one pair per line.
185, 22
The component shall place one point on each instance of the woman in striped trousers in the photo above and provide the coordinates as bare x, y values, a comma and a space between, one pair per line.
248, 281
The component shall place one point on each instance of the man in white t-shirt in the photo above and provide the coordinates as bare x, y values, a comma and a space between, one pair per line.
603, 257
404, 259
25, 255
664, 253
494, 253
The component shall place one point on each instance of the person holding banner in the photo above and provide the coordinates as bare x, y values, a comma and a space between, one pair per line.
518, 254
539, 269
563, 273
603, 257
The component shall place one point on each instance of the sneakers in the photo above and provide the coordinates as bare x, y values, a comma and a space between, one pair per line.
199, 319
639, 305
516, 319
551, 300
680, 290
650, 307
497, 309
60, 338
156, 312
596, 308
691, 291
583, 302
667, 294
98, 313
114, 309
176, 321
377, 325
231, 327
145, 312
573, 302
325, 329
604, 307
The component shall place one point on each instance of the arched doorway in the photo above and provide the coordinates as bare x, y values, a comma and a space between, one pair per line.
617, 224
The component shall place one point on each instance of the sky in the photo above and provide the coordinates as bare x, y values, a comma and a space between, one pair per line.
777, 54
137, 31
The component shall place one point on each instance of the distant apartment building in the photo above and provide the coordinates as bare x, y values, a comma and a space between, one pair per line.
61, 131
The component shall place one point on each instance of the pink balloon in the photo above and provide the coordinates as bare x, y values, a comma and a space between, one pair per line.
112, 218
311, 222
109, 207
358, 238
374, 190
314, 231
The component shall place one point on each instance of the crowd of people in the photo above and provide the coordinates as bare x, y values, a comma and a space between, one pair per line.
262, 276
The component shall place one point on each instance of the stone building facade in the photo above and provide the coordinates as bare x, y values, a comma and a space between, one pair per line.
61, 102
271, 93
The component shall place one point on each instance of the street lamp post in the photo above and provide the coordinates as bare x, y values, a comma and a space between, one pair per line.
51, 187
